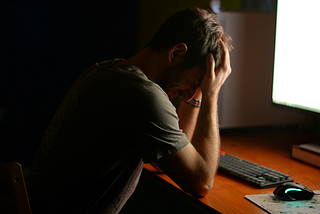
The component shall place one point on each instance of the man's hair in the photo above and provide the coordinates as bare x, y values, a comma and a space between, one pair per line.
199, 30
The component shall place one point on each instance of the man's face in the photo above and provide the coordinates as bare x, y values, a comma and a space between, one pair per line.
177, 81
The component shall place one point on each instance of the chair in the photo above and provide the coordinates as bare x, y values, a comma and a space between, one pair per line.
13, 193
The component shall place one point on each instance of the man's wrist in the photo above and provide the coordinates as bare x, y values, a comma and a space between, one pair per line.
193, 102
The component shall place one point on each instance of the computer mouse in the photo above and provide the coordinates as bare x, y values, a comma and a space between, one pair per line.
291, 191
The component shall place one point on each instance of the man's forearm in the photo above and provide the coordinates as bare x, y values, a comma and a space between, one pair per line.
206, 138
188, 117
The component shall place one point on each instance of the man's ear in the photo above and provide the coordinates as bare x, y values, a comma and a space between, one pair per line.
176, 53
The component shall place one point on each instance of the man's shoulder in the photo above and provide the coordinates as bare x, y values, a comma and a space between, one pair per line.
125, 71
108, 63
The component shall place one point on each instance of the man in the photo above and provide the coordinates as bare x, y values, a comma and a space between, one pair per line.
118, 116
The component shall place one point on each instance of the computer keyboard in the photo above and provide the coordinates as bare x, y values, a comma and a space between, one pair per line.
250, 172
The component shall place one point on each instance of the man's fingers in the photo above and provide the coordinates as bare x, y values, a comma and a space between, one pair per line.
210, 60
214, 78
225, 58
210, 63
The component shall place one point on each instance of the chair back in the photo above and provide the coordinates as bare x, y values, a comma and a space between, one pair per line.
13, 192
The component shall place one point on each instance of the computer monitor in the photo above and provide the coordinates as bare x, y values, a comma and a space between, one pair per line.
296, 73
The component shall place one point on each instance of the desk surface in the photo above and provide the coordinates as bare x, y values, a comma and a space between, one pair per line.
270, 148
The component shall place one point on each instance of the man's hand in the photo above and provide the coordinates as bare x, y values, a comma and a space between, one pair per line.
214, 79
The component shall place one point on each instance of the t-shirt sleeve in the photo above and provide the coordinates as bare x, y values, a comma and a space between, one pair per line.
158, 124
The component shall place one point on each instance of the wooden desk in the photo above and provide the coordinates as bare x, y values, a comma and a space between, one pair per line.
270, 148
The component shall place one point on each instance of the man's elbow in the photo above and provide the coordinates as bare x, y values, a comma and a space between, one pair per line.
203, 188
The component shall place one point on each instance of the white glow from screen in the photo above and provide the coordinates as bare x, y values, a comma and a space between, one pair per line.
297, 55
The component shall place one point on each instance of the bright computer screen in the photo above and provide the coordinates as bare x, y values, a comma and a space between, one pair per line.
296, 77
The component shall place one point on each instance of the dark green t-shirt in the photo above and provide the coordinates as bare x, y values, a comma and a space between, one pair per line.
112, 121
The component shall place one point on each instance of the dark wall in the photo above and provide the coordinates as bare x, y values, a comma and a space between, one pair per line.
45, 45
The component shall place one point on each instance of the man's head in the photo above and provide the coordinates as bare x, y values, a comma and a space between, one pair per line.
198, 29
188, 36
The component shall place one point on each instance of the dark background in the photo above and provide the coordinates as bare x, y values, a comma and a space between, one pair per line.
45, 46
